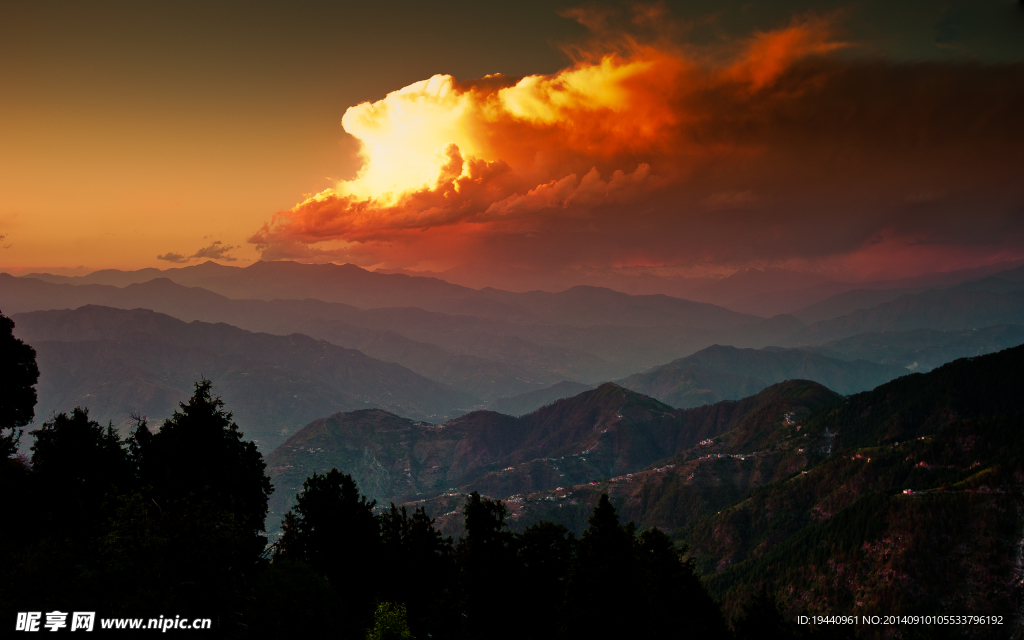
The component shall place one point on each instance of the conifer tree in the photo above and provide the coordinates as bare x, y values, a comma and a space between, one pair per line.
411, 547
332, 529
674, 597
138, 442
487, 566
76, 463
606, 564
198, 511
389, 623
545, 554
199, 456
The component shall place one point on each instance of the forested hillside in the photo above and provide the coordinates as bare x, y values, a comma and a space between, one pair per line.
905, 498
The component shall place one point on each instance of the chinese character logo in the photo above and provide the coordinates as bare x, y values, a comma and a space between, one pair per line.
83, 620
28, 621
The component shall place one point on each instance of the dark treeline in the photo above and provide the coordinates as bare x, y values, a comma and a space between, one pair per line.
170, 523
160, 523
542, 583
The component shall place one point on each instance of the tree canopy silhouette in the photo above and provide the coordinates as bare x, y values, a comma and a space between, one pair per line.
605, 562
199, 453
76, 463
412, 547
332, 529
18, 376
487, 566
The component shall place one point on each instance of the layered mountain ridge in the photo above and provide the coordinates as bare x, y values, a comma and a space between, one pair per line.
118, 362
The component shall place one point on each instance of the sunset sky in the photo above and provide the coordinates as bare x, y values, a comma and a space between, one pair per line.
860, 139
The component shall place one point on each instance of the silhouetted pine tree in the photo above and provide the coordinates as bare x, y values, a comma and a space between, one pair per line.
138, 442
626, 585
605, 573
199, 455
332, 529
419, 569
675, 599
19, 500
545, 554
189, 535
487, 567
77, 463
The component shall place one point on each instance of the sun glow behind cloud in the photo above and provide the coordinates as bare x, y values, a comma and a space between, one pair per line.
404, 136
596, 108
627, 153
440, 153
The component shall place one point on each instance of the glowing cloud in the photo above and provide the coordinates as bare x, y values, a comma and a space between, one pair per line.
658, 153
404, 135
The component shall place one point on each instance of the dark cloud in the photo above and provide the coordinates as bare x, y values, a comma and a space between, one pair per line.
217, 250
170, 256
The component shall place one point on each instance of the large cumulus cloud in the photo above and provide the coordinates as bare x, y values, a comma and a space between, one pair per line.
787, 148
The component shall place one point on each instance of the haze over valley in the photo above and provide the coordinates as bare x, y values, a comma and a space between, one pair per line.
682, 412
290, 360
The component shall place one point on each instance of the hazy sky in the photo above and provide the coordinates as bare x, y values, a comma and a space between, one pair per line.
864, 137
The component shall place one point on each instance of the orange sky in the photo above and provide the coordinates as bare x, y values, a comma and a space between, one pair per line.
633, 142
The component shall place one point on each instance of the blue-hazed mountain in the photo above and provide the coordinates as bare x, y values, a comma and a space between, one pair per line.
349, 284
983, 302
922, 349
116, 362
944, 310
485, 356
847, 302
478, 356
530, 401
727, 373
922, 404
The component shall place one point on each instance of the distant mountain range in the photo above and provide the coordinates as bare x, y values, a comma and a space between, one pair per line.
116, 362
349, 284
515, 346
486, 361
727, 373
766, 291
940, 310
981, 303
530, 401
847, 366
519, 356
922, 349
849, 301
